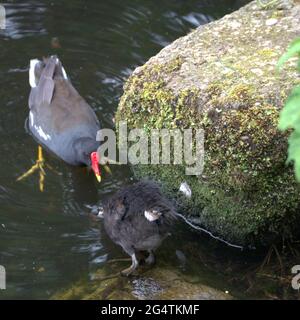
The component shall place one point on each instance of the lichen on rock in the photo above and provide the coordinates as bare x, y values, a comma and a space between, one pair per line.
222, 77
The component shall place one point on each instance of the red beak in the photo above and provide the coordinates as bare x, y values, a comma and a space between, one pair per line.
95, 165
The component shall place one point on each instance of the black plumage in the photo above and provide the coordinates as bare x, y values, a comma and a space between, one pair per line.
138, 218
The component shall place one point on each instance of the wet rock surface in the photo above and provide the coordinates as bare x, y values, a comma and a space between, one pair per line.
151, 284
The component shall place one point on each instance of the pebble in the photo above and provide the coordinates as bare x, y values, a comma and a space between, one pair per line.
271, 22
185, 189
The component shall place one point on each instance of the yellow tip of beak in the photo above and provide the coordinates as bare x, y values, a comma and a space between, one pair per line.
98, 177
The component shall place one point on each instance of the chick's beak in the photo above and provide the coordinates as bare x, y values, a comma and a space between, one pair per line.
95, 165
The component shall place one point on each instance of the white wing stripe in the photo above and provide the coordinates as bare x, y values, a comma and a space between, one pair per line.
31, 118
41, 133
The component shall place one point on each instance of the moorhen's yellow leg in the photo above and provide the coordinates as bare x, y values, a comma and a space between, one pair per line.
39, 164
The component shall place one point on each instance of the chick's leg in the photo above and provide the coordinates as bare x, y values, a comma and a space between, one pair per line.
133, 266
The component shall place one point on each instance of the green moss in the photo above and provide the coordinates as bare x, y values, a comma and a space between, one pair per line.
267, 53
244, 156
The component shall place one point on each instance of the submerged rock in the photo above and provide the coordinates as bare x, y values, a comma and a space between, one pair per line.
153, 284
222, 77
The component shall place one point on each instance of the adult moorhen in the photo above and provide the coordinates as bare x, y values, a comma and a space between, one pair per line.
138, 218
60, 119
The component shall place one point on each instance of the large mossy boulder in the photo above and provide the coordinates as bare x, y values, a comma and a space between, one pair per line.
222, 77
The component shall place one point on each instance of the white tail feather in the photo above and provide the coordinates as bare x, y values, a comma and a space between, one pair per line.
32, 79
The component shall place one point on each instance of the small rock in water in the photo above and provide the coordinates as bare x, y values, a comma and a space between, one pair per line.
185, 189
